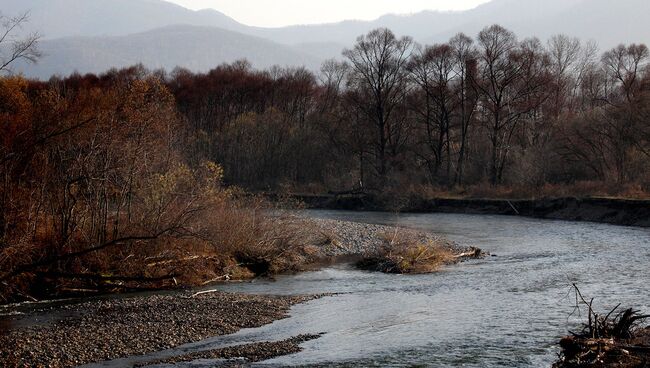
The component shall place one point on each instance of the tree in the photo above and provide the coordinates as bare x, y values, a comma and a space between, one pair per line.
432, 71
625, 67
509, 79
465, 68
15, 47
379, 75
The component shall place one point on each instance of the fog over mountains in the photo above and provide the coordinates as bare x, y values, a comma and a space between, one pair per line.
94, 35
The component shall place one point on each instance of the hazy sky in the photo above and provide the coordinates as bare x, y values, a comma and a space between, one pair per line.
275, 13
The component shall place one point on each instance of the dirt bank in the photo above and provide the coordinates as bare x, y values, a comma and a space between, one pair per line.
605, 210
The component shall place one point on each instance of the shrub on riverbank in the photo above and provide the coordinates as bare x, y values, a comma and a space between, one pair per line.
408, 253
186, 230
96, 196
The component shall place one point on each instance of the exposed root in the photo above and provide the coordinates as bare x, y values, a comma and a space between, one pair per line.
614, 339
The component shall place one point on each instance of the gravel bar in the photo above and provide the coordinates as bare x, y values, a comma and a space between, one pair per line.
101, 330
353, 238
105, 329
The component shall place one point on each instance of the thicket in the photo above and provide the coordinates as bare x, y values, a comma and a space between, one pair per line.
97, 196
490, 116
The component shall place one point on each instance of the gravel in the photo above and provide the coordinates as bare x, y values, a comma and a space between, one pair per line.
248, 353
102, 330
352, 238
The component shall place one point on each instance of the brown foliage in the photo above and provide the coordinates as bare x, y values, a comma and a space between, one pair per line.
95, 195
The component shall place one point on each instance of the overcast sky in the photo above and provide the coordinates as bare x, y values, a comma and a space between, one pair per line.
276, 13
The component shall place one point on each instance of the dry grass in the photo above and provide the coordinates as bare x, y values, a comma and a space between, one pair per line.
407, 252
234, 236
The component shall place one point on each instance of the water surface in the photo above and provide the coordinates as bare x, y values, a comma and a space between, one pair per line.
507, 310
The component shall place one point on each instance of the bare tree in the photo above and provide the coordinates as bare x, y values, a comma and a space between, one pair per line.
15, 46
432, 70
509, 79
465, 64
625, 66
378, 63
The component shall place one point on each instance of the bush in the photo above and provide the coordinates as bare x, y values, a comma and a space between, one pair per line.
408, 253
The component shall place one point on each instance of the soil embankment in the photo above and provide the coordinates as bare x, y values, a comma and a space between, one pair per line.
626, 212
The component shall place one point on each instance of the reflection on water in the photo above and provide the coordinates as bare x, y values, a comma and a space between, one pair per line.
507, 310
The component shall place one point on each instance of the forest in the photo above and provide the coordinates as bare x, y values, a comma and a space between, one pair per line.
491, 112
102, 174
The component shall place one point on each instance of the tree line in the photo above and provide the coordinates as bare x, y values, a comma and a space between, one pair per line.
493, 110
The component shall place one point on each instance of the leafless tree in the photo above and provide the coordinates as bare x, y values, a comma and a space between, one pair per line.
509, 80
465, 65
378, 63
15, 46
432, 70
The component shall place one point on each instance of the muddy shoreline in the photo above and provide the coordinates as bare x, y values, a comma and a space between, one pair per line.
626, 212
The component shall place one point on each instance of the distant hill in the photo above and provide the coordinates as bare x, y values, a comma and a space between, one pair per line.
117, 31
87, 18
196, 48
605, 21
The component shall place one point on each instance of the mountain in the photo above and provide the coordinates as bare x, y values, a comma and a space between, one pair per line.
192, 47
74, 18
605, 21
117, 31
609, 22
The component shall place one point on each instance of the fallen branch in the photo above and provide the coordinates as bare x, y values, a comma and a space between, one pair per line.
202, 293
224, 277
87, 276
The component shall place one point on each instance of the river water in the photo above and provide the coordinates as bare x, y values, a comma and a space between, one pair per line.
506, 310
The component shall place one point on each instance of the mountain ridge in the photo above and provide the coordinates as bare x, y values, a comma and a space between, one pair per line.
197, 48
606, 22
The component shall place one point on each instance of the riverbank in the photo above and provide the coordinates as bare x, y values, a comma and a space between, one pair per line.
100, 330
627, 212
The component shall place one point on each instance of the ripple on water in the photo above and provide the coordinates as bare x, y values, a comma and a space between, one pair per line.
504, 311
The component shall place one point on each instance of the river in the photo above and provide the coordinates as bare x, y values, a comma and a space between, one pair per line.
508, 309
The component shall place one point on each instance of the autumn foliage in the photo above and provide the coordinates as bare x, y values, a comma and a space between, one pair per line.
97, 196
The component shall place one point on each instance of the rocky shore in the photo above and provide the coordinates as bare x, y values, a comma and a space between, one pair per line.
234, 356
352, 238
100, 330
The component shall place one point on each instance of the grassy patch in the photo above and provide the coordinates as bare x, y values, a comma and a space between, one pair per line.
406, 252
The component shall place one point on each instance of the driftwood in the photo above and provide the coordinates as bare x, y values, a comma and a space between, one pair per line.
170, 261
606, 340
471, 253
99, 278
202, 293
224, 277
